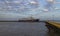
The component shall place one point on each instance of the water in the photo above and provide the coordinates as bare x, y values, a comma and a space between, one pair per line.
24, 29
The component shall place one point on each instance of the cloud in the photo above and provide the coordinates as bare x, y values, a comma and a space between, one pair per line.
57, 8
49, 4
50, 1
33, 2
58, 2
46, 10
17, 2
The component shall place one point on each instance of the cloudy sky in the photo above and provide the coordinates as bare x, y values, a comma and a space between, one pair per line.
44, 9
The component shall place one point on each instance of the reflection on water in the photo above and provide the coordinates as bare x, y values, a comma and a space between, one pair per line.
24, 29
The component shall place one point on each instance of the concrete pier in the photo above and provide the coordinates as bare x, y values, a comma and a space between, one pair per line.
53, 25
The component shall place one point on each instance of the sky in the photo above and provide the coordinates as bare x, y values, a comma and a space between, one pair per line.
26, 8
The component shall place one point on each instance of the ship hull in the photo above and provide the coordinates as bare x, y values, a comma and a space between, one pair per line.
35, 20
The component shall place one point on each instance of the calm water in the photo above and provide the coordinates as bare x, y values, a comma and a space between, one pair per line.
24, 29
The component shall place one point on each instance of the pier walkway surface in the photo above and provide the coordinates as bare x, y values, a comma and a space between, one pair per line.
24, 29
53, 25
56, 24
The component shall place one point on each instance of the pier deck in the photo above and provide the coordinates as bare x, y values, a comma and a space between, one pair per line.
53, 25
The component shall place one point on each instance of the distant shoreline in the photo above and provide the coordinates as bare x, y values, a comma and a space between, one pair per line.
29, 21
34, 20
19, 21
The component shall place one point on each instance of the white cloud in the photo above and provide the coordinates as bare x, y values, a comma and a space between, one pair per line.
33, 2
7, 2
9, 6
16, 2
57, 8
50, 0
13, 2
46, 10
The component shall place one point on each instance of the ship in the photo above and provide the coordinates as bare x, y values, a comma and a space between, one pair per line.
30, 19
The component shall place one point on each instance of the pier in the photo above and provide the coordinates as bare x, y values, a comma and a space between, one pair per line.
53, 25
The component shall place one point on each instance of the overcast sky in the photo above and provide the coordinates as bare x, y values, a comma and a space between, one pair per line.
44, 9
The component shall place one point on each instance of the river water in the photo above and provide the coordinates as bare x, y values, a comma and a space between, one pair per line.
24, 29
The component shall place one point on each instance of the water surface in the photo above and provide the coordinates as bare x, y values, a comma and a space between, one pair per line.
23, 29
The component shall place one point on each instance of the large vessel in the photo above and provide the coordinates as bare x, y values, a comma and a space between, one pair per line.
30, 19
